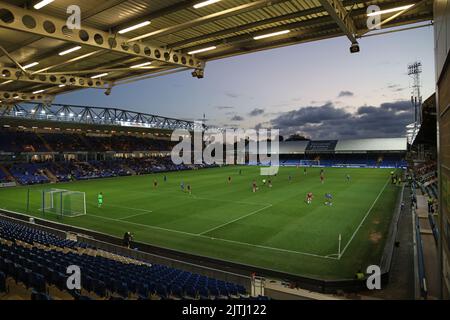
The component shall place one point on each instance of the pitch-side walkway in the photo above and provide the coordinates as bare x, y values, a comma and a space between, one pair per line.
401, 278
430, 250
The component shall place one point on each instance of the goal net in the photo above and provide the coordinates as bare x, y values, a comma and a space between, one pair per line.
64, 202
309, 162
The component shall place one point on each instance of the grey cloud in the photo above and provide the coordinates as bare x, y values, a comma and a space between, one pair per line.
237, 118
345, 93
231, 95
224, 107
256, 112
329, 122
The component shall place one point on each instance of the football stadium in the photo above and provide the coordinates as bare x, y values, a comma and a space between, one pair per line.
106, 194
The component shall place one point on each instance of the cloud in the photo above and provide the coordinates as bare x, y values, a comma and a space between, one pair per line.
256, 112
231, 94
237, 118
224, 107
395, 87
329, 122
345, 93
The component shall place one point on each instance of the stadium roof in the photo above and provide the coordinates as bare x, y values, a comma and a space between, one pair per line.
293, 147
363, 145
171, 33
67, 116
337, 146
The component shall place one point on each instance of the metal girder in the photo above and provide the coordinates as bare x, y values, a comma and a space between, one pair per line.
54, 79
209, 18
93, 115
256, 24
29, 21
395, 16
237, 40
337, 11
15, 96
157, 14
249, 36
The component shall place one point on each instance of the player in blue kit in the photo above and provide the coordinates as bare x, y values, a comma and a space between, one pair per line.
328, 199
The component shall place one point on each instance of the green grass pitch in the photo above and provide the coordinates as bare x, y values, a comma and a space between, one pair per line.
273, 228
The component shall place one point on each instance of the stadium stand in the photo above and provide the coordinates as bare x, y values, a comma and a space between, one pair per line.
28, 173
3, 177
19, 141
381, 153
44, 156
38, 260
372, 153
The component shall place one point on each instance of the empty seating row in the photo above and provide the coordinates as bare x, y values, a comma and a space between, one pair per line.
38, 268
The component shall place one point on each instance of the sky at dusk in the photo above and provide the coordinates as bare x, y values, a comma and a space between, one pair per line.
317, 89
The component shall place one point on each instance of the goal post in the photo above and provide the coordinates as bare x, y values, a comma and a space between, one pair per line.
63, 202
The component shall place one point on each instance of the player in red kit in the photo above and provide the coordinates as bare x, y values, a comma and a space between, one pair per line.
309, 197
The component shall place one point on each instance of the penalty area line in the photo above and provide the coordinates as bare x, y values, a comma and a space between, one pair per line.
122, 207
218, 239
133, 215
234, 220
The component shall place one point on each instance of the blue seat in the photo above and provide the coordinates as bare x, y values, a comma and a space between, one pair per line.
176, 291
87, 283
143, 290
19, 274
2, 264
203, 292
99, 288
241, 289
2, 282
122, 289
232, 290
39, 296
37, 282
161, 290
214, 291
190, 291
132, 285
59, 280
151, 288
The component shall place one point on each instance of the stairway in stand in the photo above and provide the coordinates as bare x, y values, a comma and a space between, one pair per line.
49, 148
7, 173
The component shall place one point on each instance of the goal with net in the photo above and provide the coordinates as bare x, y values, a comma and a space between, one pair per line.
63, 202
313, 163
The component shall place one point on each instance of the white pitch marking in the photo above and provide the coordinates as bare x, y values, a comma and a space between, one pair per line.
134, 215
124, 207
364, 218
234, 220
219, 239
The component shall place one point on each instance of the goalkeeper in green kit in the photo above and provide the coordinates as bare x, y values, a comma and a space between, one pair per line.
100, 199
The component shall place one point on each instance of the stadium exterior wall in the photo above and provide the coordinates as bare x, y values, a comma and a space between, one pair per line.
442, 62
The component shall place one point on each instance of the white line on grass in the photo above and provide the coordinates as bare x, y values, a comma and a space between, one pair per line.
195, 197
270, 248
234, 220
123, 207
212, 238
231, 201
364, 219
143, 225
133, 215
